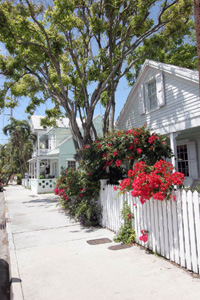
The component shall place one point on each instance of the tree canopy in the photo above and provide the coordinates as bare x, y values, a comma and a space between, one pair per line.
75, 52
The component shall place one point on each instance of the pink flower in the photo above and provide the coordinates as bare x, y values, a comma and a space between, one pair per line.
174, 198
56, 190
143, 238
118, 163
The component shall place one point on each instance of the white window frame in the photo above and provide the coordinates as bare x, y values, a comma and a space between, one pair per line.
144, 103
147, 96
192, 157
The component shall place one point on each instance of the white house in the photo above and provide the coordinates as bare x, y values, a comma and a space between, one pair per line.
166, 98
53, 151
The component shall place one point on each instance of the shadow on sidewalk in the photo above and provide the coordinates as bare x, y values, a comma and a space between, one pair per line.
4, 280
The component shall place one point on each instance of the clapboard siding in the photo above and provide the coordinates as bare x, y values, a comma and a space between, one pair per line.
181, 104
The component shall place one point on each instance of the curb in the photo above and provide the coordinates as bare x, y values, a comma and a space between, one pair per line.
16, 292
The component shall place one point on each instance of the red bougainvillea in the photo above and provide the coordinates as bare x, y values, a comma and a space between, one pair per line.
155, 181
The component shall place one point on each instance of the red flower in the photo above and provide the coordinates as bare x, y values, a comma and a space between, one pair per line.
110, 145
139, 150
129, 131
118, 163
131, 147
136, 133
143, 238
104, 154
152, 139
115, 153
99, 146
174, 198
81, 195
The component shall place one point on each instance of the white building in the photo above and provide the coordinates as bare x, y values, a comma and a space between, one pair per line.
166, 98
53, 150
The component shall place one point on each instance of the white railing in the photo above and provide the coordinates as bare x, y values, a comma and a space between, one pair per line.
173, 226
40, 152
41, 186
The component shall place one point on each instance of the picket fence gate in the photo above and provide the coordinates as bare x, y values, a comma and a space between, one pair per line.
173, 226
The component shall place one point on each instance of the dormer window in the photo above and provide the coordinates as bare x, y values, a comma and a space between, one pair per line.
152, 95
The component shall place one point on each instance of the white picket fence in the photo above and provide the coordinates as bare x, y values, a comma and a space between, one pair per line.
173, 226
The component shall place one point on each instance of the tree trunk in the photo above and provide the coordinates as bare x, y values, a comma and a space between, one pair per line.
112, 113
197, 27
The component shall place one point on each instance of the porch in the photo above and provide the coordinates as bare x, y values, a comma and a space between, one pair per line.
43, 171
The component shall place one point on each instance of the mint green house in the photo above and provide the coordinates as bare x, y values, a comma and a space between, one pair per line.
53, 150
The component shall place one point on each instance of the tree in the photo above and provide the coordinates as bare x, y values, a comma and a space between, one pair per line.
197, 27
20, 147
76, 51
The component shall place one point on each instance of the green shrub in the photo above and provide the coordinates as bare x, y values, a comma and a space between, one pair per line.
19, 178
126, 233
79, 196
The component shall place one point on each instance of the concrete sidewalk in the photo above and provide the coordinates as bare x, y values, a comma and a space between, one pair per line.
50, 259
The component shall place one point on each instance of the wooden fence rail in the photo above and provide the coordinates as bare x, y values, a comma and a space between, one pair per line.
173, 226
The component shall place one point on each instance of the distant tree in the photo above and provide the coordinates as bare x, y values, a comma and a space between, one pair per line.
76, 51
20, 147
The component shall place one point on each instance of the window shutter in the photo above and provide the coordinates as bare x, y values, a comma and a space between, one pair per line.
160, 89
192, 160
141, 99
147, 102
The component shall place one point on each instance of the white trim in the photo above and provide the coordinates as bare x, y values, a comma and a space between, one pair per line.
182, 142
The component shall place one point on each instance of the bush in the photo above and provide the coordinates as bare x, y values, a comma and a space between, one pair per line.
109, 158
19, 178
79, 196
112, 156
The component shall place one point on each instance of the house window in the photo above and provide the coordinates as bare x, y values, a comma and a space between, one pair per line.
71, 164
183, 162
152, 95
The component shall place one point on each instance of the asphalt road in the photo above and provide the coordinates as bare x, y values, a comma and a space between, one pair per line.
4, 267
